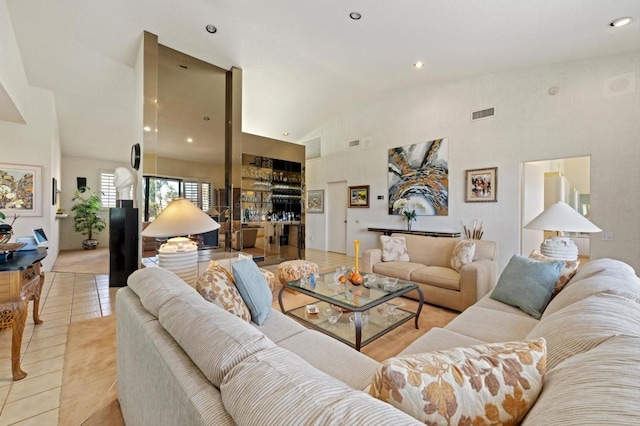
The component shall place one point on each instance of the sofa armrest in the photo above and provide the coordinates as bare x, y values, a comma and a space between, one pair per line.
477, 279
369, 258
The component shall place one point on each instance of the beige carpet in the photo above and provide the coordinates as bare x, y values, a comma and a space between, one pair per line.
89, 395
83, 261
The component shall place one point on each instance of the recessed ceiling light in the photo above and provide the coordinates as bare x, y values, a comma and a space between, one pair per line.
418, 64
620, 22
147, 128
355, 16
189, 140
285, 134
211, 29
206, 118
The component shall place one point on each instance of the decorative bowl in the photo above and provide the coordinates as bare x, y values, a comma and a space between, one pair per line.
332, 315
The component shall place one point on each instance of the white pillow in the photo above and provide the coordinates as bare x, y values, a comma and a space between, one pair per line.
394, 249
462, 254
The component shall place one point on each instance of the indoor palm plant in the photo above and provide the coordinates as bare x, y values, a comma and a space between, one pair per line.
86, 219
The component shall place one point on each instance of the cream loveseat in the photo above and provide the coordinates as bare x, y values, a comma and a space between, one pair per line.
182, 360
429, 266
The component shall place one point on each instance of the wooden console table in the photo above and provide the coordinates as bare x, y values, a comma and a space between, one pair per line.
20, 281
386, 231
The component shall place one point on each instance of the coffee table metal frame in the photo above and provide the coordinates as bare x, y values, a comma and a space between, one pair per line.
347, 297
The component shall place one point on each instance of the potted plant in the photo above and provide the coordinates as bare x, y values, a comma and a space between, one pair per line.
86, 219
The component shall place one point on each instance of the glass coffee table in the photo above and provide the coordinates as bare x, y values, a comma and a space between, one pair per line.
367, 311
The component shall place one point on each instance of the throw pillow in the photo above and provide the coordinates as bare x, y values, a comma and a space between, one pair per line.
394, 249
527, 284
462, 254
253, 288
216, 285
568, 270
485, 384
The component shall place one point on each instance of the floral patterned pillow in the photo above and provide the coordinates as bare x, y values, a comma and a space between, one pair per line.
485, 384
394, 249
216, 285
566, 273
462, 254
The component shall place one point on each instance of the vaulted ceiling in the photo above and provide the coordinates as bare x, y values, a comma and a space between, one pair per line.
303, 61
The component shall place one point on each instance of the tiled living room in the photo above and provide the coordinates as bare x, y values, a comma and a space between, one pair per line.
480, 157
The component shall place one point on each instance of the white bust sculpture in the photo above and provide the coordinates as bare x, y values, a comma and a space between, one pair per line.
123, 180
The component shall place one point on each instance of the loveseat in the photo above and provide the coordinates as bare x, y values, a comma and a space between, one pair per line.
428, 263
183, 360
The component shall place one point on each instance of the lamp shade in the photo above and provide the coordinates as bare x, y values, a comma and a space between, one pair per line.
561, 217
180, 217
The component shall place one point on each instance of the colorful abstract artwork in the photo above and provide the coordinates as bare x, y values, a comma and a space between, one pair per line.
20, 190
419, 174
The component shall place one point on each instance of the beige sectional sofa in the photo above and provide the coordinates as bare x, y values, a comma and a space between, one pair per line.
182, 360
429, 266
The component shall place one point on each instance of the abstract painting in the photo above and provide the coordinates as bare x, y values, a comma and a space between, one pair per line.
419, 173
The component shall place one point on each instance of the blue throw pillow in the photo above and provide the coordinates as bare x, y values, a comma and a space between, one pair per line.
253, 288
527, 284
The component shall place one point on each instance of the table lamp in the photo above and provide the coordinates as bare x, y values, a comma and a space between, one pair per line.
179, 254
560, 217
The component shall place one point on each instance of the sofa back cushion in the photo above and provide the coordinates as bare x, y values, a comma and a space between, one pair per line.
429, 251
277, 387
215, 340
157, 286
586, 324
597, 387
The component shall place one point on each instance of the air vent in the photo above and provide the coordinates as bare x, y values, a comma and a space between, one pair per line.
312, 149
354, 144
485, 113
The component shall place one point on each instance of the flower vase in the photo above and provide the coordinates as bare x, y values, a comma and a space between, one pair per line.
356, 278
409, 225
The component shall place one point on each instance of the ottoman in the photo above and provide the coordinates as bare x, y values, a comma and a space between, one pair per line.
292, 270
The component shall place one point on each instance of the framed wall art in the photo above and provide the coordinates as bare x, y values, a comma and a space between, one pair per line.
315, 201
359, 196
481, 185
20, 190
419, 176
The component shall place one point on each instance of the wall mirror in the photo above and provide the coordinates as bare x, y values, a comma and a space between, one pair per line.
548, 181
186, 157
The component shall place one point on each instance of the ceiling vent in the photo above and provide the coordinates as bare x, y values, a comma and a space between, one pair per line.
312, 149
485, 113
354, 144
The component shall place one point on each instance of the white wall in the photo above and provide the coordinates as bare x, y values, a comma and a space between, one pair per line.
584, 118
13, 81
36, 143
72, 168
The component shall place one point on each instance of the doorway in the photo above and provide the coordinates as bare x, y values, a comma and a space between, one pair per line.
337, 217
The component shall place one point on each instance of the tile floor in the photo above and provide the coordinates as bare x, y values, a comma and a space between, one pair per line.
66, 298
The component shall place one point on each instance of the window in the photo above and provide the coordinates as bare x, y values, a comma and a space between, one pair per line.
158, 193
199, 193
107, 189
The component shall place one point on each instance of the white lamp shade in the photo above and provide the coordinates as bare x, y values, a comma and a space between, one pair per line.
180, 217
561, 217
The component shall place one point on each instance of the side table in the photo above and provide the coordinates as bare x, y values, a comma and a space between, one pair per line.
21, 280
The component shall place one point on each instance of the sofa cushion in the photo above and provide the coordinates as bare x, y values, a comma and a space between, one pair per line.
279, 326
216, 285
253, 288
527, 284
430, 251
438, 339
157, 286
485, 384
277, 387
492, 326
394, 249
595, 277
597, 387
586, 324
400, 270
462, 254
215, 340
437, 276
569, 268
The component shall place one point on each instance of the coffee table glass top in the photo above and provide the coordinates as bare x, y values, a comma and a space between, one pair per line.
348, 296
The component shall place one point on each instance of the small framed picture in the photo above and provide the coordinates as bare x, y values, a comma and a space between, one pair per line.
315, 201
481, 185
359, 196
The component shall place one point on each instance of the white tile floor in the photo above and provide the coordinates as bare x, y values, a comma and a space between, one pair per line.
66, 298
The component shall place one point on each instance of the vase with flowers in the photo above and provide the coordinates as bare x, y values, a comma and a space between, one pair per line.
408, 209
